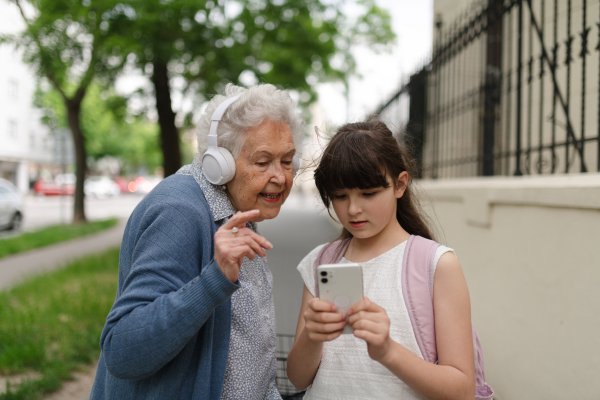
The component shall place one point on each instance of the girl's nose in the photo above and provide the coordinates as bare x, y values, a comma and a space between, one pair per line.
354, 208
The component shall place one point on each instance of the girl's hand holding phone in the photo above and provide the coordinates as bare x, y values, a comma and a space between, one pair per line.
321, 321
372, 324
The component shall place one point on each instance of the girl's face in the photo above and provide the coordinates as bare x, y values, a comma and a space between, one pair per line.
368, 213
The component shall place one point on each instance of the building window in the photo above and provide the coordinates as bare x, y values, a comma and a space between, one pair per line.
12, 129
13, 89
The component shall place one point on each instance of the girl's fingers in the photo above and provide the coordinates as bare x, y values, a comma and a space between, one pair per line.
365, 335
365, 305
324, 317
319, 305
320, 337
315, 327
373, 316
376, 327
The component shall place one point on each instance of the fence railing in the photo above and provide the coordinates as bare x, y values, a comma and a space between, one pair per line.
513, 88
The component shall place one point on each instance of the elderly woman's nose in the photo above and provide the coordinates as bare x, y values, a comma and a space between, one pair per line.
277, 173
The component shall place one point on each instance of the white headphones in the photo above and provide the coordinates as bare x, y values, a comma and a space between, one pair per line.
218, 164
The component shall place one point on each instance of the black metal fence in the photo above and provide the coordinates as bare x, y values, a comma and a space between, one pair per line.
513, 88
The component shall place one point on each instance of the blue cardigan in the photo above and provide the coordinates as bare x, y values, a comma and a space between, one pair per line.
167, 334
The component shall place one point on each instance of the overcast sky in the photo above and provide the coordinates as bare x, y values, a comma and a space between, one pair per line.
382, 74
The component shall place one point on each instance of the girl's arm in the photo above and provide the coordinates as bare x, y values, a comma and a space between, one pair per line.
317, 323
454, 375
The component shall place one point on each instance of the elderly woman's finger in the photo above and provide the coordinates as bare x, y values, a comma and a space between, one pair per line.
240, 219
250, 242
246, 232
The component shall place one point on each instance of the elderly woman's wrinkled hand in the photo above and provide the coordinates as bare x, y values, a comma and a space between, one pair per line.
233, 242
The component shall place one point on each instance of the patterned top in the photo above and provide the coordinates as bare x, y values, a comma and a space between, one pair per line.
251, 363
346, 370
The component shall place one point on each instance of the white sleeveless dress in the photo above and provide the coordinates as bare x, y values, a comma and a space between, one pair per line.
346, 370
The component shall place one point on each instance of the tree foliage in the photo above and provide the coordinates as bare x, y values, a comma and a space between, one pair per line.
201, 45
70, 43
108, 127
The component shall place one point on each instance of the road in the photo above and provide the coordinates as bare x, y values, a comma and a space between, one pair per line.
40, 211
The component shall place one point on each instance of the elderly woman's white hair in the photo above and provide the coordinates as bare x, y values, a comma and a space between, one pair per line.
255, 105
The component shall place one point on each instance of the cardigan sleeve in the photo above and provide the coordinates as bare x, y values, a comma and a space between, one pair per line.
162, 302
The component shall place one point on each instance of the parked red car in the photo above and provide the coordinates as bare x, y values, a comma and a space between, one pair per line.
64, 184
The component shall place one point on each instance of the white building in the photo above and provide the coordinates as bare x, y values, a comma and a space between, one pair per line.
27, 147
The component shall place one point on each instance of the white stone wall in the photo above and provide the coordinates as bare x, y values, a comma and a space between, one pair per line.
530, 251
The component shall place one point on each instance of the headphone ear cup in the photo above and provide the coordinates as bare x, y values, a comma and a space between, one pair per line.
296, 162
218, 165
229, 173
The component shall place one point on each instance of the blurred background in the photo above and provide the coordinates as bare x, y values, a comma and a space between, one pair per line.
498, 100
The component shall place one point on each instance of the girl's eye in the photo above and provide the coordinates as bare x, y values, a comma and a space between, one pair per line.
369, 194
339, 196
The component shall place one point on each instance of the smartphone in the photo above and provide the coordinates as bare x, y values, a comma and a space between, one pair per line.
342, 285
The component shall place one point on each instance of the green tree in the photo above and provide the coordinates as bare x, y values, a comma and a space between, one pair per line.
291, 43
70, 43
107, 126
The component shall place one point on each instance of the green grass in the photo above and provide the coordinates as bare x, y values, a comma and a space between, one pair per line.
51, 324
51, 235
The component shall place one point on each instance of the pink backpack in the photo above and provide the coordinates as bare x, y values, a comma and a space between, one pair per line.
417, 289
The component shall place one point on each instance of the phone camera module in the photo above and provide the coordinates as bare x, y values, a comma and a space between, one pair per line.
323, 273
324, 280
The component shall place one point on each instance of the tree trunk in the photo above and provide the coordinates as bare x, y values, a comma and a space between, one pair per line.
169, 135
73, 110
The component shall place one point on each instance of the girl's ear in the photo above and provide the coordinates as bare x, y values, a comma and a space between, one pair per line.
401, 184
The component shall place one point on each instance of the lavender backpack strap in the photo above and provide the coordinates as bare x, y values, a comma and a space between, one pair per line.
329, 254
417, 289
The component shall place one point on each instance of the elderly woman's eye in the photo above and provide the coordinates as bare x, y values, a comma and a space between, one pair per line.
262, 164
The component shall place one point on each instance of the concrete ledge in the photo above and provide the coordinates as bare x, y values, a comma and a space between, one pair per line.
479, 195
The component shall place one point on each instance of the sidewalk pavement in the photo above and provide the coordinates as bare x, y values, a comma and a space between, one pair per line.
17, 267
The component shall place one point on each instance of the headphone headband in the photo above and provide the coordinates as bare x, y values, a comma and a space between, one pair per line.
216, 117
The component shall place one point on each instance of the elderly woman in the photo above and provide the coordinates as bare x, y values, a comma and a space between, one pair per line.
194, 316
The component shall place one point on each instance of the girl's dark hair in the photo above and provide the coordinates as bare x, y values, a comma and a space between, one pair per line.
360, 156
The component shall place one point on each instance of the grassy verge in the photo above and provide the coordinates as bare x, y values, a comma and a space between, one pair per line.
51, 235
51, 324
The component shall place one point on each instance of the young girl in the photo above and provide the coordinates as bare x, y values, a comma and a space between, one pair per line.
363, 174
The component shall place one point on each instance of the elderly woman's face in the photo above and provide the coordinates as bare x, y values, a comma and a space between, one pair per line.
264, 170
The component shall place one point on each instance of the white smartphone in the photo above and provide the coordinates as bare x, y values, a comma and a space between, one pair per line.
342, 285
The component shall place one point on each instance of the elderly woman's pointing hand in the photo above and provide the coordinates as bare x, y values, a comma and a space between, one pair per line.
233, 242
